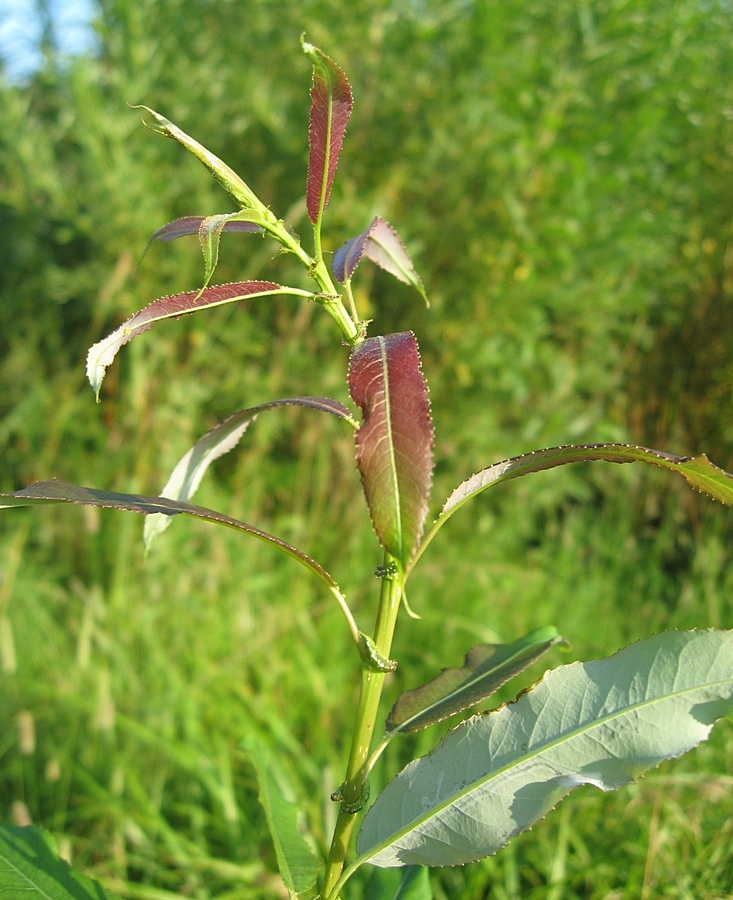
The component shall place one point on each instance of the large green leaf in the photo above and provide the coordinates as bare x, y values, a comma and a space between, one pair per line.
394, 446
602, 723
698, 471
296, 858
486, 668
30, 868
191, 468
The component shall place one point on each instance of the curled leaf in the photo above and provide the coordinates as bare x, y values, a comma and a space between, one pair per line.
381, 244
102, 354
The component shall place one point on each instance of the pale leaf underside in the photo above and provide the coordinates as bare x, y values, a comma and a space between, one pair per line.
394, 444
382, 245
190, 469
602, 723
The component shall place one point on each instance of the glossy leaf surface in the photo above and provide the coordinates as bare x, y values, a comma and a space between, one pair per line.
381, 244
102, 354
394, 446
602, 723
31, 869
191, 468
331, 104
486, 668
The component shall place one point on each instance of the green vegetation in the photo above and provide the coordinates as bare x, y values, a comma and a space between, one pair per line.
563, 179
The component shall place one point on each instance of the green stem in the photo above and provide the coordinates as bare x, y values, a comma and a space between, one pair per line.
358, 765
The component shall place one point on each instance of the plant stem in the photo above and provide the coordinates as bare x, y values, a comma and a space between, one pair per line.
358, 765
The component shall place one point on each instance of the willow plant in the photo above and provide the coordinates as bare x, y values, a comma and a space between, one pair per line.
602, 722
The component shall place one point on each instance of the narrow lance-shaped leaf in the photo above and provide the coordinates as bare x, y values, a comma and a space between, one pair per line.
698, 471
394, 446
486, 668
227, 177
296, 858
190, 469
602, 723
210, 231
102, 354
43, 492
381, 244
331, 104
188, 225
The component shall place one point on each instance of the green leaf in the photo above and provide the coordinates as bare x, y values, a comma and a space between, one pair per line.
229, 179
331, 104
30, 867
102, 354
602, 723
698, 471
394, 446
191, 468
486, 668
407, 883
296, 859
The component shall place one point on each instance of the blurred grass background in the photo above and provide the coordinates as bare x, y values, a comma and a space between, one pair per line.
561, 174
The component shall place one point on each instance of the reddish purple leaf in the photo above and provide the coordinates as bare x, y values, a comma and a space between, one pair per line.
394, 446
102, 354
331, 104
191, 224
382, 245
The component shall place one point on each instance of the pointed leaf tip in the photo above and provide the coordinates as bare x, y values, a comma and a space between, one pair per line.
394, 446
382, 245
331, 104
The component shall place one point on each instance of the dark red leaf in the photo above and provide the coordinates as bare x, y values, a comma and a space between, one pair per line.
394, 446
331, 104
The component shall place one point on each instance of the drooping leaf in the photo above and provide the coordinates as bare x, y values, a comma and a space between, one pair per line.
188, 225
102, 354
698, 471
486, 668
229, 179
30, 868
331, 104
380, 243
296, 858
602, 723
190, 469
394, 446
409, 883
58, 492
